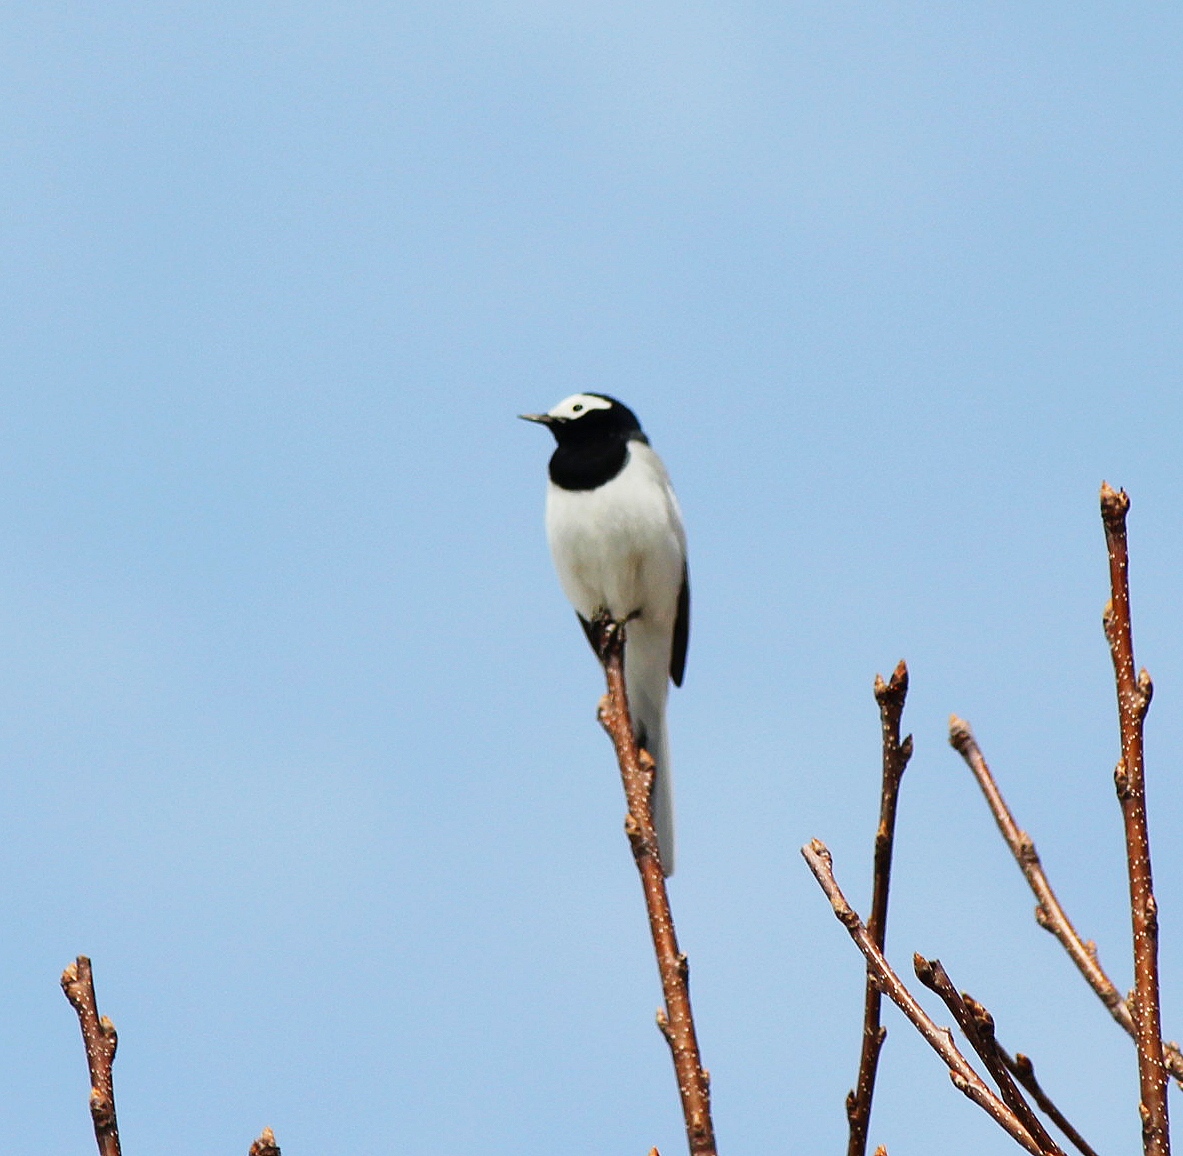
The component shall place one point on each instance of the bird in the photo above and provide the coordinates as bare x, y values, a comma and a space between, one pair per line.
619, 546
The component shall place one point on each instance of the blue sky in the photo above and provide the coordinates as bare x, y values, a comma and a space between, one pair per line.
297, 731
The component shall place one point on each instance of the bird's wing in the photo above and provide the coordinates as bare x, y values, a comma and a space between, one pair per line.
681, 630
681, 639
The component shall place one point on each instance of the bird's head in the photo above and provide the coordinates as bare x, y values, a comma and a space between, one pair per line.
583, 418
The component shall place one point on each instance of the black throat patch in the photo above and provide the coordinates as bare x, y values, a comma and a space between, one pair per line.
588, 466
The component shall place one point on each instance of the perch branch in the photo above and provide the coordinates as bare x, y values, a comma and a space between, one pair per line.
1133, 701
964, 1078
98, 1035
890, 696
676, 1020
265, 1145
977, 1025
1048, 912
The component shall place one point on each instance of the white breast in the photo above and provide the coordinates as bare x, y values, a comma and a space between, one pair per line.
620, 547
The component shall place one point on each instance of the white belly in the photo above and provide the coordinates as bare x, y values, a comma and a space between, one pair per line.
620, 547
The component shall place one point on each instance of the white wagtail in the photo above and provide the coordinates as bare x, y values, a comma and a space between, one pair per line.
619, 547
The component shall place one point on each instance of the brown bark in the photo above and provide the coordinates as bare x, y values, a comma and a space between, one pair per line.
964, 1078
98, 1035
977, 1026
265, 1145
890, 696
1023, 1070
1133, 701
676, 1019
1049, 914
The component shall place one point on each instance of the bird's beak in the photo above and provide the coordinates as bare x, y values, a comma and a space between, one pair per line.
541, 418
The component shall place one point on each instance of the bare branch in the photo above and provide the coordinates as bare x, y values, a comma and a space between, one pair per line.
1023, 1070
890, 697
1048, 912
265, 1145
964, 1078
1133, 701
100, 1040
977, 1026
676, 1020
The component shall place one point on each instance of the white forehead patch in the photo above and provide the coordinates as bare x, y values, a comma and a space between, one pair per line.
578, 404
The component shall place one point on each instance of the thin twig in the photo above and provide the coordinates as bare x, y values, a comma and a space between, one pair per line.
890, 696
964, 1078
676, 1020
1048, 912
1023, 1070
1133, 701
265, 1145
98, 1035
977, 1026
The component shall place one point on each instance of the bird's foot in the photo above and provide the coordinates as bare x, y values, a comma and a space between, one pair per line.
603, 634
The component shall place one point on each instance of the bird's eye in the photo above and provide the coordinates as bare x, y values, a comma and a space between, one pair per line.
576, 408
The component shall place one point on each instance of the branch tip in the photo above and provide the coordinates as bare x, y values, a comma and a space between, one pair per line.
961, 738
99, 1039
818, 848
265, 1145
891, 697
1115, 504
896, 687
1133, 700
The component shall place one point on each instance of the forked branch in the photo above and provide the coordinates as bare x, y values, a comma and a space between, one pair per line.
676, 1020
98, 1035
964, 1077
977, 1025
1049, 914
891, 697
1133, 701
